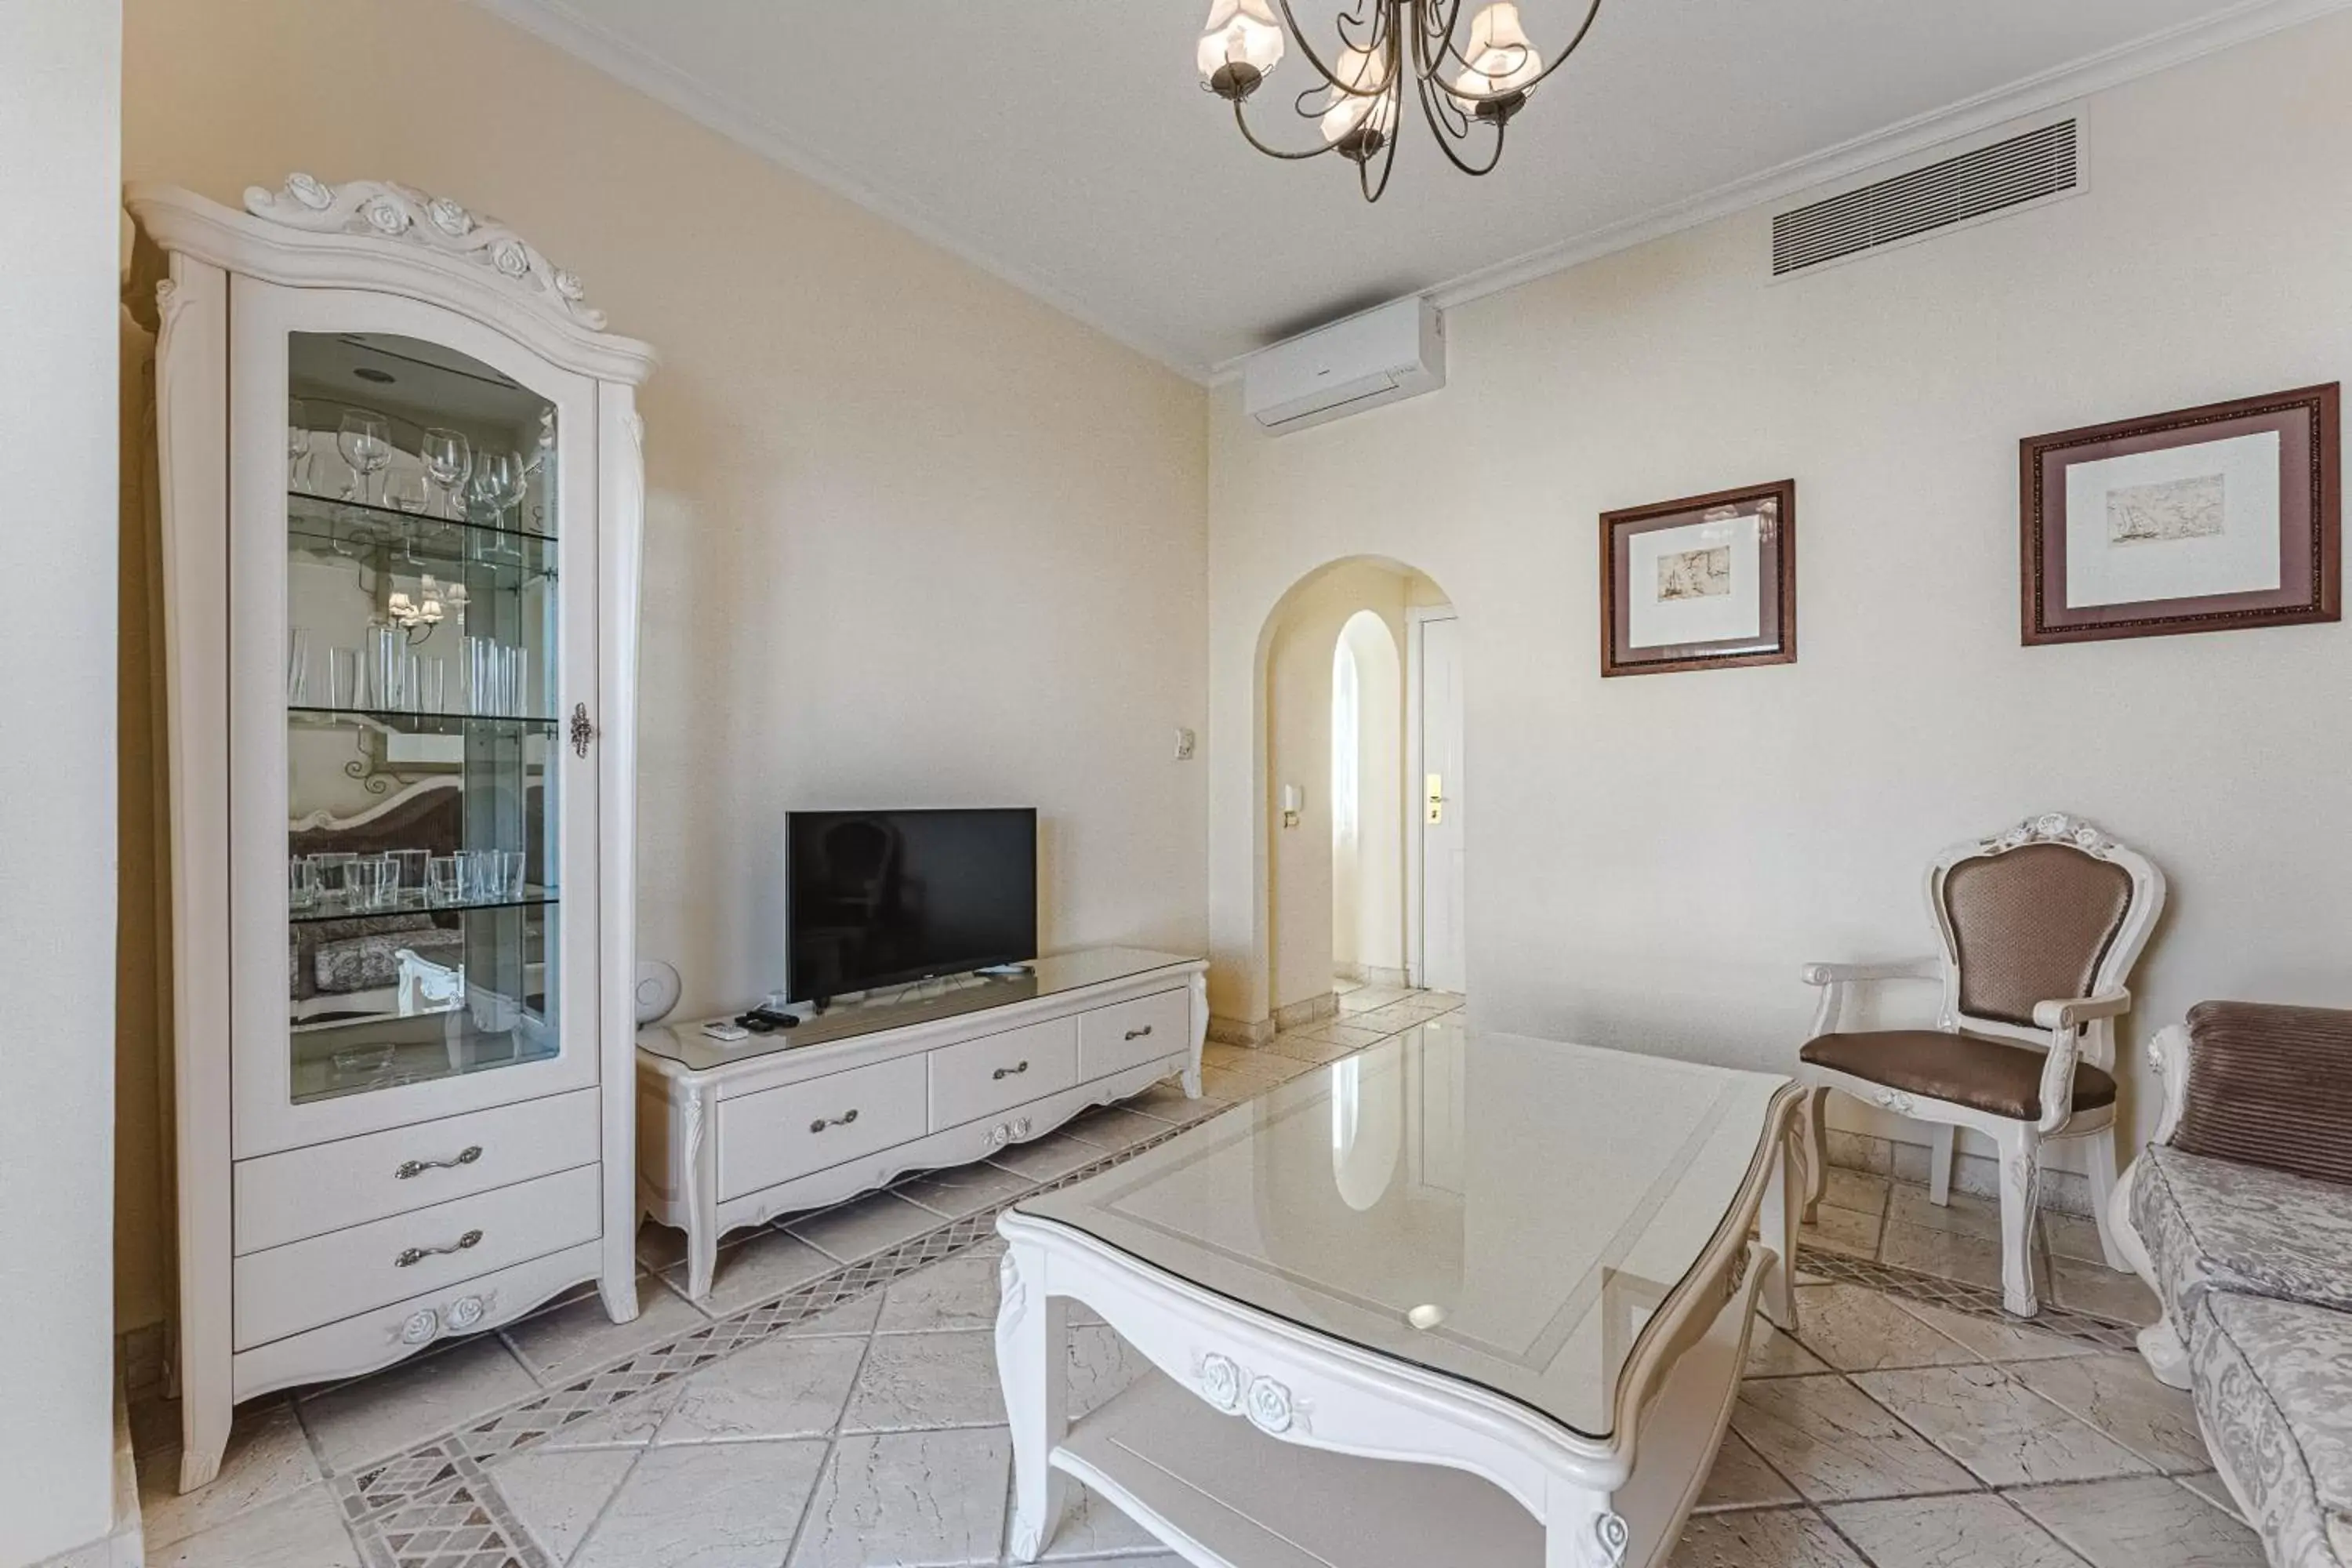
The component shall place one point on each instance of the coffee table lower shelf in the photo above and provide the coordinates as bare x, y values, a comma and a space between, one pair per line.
1224, 1495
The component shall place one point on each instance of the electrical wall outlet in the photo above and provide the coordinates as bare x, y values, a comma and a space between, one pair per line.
1183, 745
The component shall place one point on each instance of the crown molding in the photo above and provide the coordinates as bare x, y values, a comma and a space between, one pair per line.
553, 22
1906, 139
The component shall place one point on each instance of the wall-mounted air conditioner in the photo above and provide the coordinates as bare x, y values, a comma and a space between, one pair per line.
1395, 352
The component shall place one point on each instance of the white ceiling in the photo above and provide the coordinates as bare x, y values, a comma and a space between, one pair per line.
1067, 145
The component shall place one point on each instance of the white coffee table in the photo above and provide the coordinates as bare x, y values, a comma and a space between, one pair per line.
1461, 1298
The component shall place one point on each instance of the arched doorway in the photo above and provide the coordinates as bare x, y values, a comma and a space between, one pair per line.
1345, 705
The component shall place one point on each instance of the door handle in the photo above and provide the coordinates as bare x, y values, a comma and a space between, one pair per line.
1436, 791
1010, 1072
820, 1124
1139, 1033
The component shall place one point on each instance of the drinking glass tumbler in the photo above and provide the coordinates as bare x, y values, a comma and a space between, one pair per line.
408, 875
297, 666
510, 874
343, 683
441, 880
334, 873
302, 884
431, 685
365, 879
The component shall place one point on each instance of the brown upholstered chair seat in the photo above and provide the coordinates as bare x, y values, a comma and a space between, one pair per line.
1988, 1075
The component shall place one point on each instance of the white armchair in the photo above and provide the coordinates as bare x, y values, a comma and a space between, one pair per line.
2039, 927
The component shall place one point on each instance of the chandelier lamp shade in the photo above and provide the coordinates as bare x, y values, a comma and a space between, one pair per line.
1469, 82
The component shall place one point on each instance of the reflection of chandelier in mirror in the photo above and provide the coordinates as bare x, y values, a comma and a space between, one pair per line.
1469, 87
427, 607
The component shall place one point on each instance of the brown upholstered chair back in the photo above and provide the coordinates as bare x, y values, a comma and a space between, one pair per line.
2030, 924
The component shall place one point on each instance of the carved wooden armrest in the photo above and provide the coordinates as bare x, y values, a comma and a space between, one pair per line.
1834, 978
2077, 1011
2064, 1020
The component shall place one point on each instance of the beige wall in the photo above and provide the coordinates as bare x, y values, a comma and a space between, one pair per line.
1652, 859
60, 63
913, 538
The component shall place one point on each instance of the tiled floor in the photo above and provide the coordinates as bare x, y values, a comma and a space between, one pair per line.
836, 1407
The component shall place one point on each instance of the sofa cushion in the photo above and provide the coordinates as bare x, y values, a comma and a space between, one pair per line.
2271, 1086
1966, 1070
2215, 1225
2274, 1384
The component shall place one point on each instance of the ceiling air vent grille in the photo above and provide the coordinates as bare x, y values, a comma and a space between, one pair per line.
2027, 168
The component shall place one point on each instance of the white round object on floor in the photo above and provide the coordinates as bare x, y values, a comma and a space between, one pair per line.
657, 990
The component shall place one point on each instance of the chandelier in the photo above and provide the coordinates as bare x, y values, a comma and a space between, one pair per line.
1468, 90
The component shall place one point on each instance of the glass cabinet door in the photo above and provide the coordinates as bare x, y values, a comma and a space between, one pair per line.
424, 896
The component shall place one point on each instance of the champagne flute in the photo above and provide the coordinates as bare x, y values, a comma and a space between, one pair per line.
448, 460
364, 439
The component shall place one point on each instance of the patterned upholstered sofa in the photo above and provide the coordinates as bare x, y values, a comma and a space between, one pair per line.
2239, 1218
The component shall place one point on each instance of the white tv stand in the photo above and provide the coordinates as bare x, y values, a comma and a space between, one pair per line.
733, 1135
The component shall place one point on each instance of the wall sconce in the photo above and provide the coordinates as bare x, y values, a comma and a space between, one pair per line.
1294, 801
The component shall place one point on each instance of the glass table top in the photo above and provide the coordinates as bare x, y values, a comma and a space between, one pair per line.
894, 1006
1506, 1211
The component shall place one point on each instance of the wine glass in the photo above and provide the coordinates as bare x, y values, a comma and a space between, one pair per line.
404, 491
498, 484
448, 460
366, 441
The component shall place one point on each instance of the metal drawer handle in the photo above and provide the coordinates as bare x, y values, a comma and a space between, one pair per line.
1139, 1033
418, 1167
472, 1238
1010, 1072
820, 1124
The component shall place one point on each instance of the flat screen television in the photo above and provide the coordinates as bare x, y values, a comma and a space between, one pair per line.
884, 898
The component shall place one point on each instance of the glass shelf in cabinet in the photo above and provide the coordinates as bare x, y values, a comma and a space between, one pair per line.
317, 526
410, 724
332, 907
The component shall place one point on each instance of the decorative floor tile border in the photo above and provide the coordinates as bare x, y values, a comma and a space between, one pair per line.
1976, 1300
435, 1505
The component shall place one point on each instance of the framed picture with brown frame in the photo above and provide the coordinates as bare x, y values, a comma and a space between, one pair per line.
1705, 583
2204, 520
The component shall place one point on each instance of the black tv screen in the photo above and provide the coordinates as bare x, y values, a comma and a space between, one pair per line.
881, 898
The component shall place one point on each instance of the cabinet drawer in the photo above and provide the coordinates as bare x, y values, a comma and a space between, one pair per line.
780, 1133
301, 1285
1129, 1034
309, 1192
996, 1072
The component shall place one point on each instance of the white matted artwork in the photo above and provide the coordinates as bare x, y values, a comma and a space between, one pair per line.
2182, 522
1696, 584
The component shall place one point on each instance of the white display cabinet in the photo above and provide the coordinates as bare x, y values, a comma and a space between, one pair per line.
403, 505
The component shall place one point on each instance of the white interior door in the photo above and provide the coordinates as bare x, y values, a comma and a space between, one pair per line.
1440, 798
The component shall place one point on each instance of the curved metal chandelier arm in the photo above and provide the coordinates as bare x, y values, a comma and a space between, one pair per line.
1446, 139
1250, 136
1372, 192
1298, 37
1426, 61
